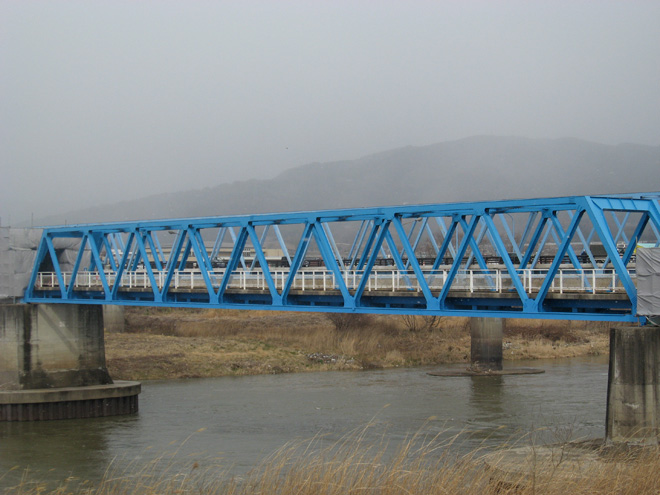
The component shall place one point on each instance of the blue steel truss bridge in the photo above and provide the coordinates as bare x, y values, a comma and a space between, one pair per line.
553, 258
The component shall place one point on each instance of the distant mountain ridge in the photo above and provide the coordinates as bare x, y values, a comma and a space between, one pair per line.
470, 169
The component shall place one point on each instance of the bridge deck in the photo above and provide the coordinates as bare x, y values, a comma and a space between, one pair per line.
591, 290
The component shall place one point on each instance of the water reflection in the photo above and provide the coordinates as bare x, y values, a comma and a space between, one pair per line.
55, 449
487, 394
486, 403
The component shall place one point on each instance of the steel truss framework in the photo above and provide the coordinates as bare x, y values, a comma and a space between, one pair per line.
421, 244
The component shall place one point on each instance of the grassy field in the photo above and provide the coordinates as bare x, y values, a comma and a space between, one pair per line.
168, 343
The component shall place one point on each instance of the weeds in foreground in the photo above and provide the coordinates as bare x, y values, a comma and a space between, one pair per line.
358, 464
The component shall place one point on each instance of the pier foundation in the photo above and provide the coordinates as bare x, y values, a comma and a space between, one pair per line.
52, 364
486, 343
633, 387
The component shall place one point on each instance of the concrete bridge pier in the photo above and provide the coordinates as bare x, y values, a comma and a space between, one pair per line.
486, 344
113, 318
52, 364
633, 387
486, 351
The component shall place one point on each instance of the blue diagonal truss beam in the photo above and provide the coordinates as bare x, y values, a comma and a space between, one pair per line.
378, 269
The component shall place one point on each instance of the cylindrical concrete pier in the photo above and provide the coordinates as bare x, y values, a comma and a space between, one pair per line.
52, 364
633, 388
486, 343
113, 318
52, 346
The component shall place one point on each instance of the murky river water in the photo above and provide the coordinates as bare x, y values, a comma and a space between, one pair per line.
243, 419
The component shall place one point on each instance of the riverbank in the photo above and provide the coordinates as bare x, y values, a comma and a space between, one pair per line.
418, 468
167, 343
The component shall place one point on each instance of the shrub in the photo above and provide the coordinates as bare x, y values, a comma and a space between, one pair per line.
344, 321
420, 323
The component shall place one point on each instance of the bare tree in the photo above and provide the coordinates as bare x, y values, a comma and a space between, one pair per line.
420, 323
344, 321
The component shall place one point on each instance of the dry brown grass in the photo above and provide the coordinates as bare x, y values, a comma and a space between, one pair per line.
548, 339
419, 466
167, 343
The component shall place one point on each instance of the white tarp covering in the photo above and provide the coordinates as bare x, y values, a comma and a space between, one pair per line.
18, 250
648, 281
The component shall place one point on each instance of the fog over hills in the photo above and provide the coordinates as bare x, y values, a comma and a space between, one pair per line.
471, 169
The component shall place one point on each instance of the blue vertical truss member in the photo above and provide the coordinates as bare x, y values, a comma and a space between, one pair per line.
119, 253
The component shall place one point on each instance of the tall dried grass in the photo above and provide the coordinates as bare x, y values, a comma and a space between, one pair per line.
369, 340
358, 464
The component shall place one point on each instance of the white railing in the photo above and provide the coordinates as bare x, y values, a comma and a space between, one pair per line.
495, 280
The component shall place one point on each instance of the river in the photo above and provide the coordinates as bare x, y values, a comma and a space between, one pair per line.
236, 421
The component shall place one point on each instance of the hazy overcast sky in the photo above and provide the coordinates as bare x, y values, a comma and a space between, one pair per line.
111, 100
